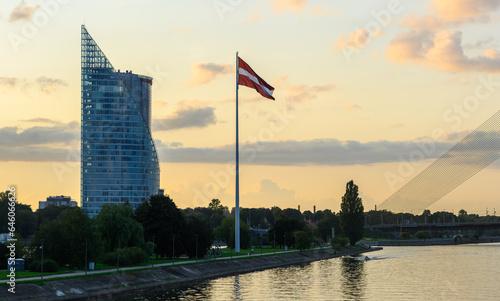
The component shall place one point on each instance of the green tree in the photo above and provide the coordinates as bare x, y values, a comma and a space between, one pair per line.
161, 218
26, 219
351, 216
51, 213
304, 239
226, 232
64, 239
285, 226
198, 226
325, 225
116, 225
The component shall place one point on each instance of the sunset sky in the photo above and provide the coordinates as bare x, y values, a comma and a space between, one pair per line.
358, 88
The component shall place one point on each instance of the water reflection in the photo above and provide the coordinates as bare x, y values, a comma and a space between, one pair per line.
237, 289
353, 277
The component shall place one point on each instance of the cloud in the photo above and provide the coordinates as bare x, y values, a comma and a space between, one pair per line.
465, 10
42, 120
9, 81
253, 18
330, 152
281, 6
269, 190
356, 39
46, 84
39, 154
39, 135
49, 85
179, 31
352, 107
189, 117
23, 12
203, 73
302, 93
442, 51
321, 11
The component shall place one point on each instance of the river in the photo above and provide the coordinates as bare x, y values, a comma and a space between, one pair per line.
458, 272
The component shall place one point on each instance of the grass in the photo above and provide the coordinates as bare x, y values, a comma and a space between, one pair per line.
226, 255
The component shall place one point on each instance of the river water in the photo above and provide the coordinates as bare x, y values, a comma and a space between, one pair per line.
462, 272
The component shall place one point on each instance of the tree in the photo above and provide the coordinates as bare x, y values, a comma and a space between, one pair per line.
26, 219
51, 213
292, 213
64, 239
226, 232
116, 225
198, 226
304, 239
351, 216
161, 218
325, 225
286, 226
216, 205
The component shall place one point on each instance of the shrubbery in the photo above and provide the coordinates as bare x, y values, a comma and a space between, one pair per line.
405, 235
339, 242
128, 256
423, 235
49, 265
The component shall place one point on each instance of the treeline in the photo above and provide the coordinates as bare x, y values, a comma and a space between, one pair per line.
438, 217
68, 236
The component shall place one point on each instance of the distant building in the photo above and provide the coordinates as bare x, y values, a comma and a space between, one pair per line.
119, 162
59, 200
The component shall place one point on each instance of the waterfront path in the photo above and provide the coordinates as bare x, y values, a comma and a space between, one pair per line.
142, 267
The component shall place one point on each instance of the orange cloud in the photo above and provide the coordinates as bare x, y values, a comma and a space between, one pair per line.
465, 10
253, 18
442, 51
301, 93
203, 73
23, 12
320, 11
356, 39
281, 6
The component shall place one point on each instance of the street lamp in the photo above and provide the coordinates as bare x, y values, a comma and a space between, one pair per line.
196, 247
173, 249
86, 256
274, 243
284, 238
41, 270
153, 252
295, 242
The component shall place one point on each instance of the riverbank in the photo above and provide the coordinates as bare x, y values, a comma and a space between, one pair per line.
432, 242
104, 287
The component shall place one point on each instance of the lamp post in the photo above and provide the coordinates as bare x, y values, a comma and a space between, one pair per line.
295, 242
173, 249
41, 270
196, 247
153, 252
86, 256
118, 256
274, 243
284, 247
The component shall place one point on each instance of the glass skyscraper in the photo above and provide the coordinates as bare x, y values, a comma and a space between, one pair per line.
119, 162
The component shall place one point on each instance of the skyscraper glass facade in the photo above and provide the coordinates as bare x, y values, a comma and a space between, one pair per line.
119, 162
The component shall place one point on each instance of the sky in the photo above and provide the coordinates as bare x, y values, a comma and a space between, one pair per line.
361, 91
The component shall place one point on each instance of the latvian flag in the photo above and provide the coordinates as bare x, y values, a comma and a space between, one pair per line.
248, 77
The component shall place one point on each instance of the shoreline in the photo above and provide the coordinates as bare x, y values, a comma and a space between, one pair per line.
431, 242
98, 287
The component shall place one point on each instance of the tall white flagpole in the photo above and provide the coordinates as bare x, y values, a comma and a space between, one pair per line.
237, 207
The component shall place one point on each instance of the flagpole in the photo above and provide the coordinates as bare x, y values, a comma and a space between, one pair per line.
237, 193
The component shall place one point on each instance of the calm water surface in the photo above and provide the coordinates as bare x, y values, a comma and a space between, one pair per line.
466, 272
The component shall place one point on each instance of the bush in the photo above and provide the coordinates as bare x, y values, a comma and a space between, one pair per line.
423, 235
339, 242
128, 256
49, 265
405, 235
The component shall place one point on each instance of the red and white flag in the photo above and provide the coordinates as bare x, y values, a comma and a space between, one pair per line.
248, 77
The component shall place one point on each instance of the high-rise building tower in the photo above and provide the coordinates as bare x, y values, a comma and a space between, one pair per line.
119, 162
